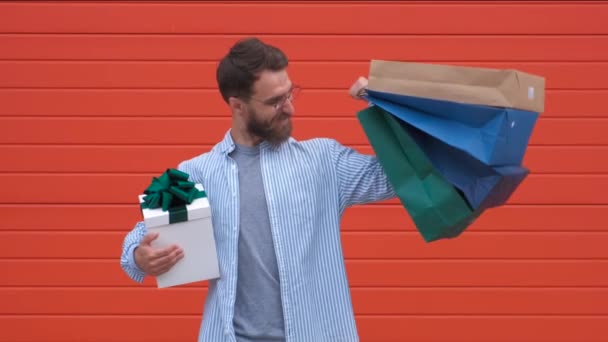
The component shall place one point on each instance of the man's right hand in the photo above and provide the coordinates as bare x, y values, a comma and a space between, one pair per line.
156, 261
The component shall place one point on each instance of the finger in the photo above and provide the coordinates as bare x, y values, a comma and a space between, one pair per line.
167, 267
161, 261
161, 253
362, 92
167, 260
357, 88
148, 238
362, 86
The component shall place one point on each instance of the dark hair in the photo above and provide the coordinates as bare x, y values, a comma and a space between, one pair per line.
240, 68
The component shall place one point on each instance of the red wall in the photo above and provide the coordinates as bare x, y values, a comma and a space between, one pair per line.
96, 98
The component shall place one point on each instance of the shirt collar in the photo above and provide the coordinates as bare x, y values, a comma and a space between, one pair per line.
227, 145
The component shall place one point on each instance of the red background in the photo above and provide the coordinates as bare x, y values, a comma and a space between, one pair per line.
98, 97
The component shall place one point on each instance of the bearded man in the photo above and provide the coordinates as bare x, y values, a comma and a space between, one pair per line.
276, 208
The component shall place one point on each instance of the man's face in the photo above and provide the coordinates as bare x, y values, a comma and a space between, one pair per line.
268, 113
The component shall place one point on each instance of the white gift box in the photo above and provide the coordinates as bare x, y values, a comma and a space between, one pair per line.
194, 236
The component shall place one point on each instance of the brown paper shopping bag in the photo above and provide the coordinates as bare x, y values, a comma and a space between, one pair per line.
506, 88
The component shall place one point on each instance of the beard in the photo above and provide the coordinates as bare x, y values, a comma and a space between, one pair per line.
275, 130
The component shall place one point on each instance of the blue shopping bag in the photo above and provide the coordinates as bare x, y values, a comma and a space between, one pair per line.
495, 136
483, 186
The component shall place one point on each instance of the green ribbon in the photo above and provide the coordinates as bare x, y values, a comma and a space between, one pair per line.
172, 192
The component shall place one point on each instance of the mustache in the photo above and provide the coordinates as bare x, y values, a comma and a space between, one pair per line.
280, 116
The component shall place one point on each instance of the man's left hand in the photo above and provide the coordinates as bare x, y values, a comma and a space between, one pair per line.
358, 88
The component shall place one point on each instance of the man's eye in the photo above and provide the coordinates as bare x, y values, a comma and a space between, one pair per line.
274, 102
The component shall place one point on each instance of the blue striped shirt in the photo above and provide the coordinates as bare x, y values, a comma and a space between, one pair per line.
308, 185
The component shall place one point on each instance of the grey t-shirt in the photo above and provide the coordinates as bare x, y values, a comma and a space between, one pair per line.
258, 313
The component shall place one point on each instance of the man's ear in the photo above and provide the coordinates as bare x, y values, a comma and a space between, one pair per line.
236, 105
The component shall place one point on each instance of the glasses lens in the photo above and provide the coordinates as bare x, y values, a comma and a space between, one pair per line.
295, 91
291, 96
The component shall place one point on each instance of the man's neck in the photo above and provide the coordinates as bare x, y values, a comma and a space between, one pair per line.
242, 137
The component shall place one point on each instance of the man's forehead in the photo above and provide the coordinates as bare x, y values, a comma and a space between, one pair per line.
271, 83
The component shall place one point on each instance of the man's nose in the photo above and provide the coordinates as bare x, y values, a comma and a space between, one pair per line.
288, 106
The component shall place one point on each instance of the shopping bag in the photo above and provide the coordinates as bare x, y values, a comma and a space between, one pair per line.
492, 135
506, 88
488, 113
436, 207
482, 185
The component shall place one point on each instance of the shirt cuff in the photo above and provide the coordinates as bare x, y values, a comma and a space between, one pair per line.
138, 273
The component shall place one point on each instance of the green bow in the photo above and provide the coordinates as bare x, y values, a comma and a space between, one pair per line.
172, 191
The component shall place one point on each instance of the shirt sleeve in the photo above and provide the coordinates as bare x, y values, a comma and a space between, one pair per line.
127, 260
361, 177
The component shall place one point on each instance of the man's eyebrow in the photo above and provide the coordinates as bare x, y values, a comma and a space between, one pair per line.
274, 99
278, 97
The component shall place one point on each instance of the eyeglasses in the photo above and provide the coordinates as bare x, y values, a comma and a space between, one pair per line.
278, 102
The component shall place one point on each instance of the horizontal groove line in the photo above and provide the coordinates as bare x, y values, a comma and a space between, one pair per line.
486, 232
198, 316
183, 145
209, 88
350, 116
452, 314
95, 204
227, 117
358, 4
314, 34
480, 315
154, 172
318, 3
485, 315
215, 90
176, 60
369, 205
582, 33
209, 146
344, 230
317, 62
138, 287
109, 173
16, 173
481, 258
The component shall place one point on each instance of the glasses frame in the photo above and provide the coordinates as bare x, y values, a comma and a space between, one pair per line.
291, 95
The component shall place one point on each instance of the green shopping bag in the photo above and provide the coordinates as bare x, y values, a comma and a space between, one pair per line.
435, 205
